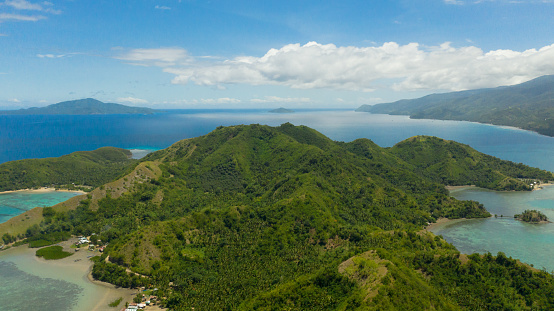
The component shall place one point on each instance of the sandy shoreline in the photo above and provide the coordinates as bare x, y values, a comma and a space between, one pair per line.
539, 187
442, 221
450, 188
42, 190
79, 267
535, 188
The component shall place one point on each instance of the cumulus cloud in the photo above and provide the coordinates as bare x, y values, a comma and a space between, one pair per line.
162, 57
132, 100
276, 99
400, 67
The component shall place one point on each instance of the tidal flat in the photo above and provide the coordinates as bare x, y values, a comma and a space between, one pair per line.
63, 284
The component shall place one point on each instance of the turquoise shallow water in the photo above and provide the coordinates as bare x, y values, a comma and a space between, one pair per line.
17, 286
15, 203
531, 243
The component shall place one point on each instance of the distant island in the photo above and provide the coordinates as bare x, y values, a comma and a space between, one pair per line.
532, 216
281, 110
85, 106
528, 106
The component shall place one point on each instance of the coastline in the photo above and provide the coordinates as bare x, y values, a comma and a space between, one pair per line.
76, 269
442, 222
540, 187
450, 188
42, 190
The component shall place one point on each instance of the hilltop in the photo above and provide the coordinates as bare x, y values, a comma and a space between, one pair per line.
82, 107
257, 217
528, 106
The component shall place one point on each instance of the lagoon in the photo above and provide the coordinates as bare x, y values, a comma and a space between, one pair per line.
531, 243
18, 202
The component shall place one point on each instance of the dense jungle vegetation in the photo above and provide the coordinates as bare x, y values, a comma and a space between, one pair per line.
532, 216
82, 168
282, 218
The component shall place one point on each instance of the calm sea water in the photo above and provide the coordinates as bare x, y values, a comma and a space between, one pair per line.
24, 137
21, 291
15, 203
531, 243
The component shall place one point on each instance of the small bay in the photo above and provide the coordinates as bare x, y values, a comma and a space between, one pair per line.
18, 202
531, 243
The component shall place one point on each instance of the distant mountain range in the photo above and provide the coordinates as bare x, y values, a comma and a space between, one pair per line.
529, 106
82, 107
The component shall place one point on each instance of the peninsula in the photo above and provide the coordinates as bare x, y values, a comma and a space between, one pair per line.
529, 106
85, 106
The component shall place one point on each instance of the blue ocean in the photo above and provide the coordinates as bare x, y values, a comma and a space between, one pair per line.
40, 136
23, 137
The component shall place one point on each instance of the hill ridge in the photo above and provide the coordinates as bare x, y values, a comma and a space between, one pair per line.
529, 106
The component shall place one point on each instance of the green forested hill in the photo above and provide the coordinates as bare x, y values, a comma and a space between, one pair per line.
87, 168
529, 106
262, 218
455, 164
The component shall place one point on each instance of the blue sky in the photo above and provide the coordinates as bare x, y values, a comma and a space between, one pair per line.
249, 54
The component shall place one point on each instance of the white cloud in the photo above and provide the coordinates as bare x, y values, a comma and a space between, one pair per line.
223, 100
276, 99
162, 57
3, 35
28, 6
19, 17
50, 55
23, 5
132, 100
162, 7
401, 67
14, 100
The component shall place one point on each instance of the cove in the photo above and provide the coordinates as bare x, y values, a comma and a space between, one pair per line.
531, 243
18, 202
